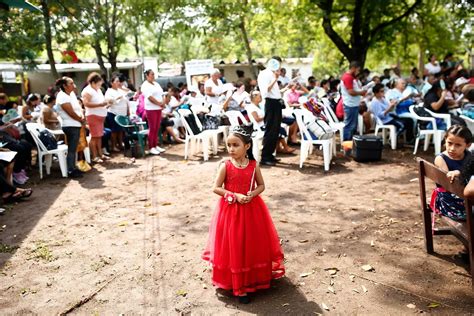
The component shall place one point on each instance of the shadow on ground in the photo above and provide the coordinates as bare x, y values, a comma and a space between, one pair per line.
282, 297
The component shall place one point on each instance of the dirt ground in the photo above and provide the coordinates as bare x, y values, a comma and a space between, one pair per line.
127, 239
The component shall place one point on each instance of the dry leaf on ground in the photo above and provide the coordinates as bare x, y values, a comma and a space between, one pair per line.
305, 274
182, 293
367, 268
434, 305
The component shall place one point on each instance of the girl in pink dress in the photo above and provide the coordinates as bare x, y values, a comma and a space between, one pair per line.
243, 245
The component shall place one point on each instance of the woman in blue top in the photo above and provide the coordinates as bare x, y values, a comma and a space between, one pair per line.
384, 112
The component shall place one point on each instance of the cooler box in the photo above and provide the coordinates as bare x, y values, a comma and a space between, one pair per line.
367, 148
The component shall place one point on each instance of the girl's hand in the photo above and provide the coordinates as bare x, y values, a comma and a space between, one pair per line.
242, 199
452, 175
250, 195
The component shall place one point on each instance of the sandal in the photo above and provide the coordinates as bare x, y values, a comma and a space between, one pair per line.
288, 151
104, 157
26, 193
97, 160
18, 196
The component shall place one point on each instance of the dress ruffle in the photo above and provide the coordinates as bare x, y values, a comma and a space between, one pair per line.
243, 247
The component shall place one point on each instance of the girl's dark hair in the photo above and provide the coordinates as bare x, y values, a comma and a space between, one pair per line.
460, 131
247, 138
9, 105
377, 88
470, 95
94, 77
61, 82
114, 77
467, 169
49, 98
32, 97
147, 72
435, 87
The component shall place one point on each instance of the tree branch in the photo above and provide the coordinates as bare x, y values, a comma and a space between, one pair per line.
326, 7
383, 25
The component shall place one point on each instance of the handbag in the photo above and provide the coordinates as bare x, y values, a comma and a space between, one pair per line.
82, 144
48, 140
211, 122
83, 166
320, 129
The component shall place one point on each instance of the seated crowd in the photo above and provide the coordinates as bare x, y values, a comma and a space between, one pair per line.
87, 116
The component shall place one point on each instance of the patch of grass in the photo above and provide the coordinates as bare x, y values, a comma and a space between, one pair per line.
100, 264
42, 251
4, 248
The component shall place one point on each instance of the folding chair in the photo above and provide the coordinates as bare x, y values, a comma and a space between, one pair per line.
43, 152
307, 141
192, 140
427, 133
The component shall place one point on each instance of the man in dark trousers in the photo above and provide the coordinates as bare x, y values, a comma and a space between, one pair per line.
268, 85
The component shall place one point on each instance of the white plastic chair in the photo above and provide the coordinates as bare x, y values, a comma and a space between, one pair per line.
86, 151
60, 152
214, 132
307, 141
235, 116
192, 139
427, 133
469, 121
444, 116
333, 120
384, 127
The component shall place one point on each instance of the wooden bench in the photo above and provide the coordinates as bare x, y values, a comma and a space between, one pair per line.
464, 231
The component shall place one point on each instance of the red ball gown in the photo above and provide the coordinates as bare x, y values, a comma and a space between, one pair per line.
243, 246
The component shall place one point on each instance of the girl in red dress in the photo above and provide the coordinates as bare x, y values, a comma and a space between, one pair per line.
243, 245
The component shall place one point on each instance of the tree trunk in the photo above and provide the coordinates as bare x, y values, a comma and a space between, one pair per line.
363, 34
248, 49
99, 54
48, 37
158, 42
111, 38
136, 43
421, 58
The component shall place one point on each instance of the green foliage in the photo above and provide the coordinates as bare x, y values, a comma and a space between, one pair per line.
21, 36
179, 30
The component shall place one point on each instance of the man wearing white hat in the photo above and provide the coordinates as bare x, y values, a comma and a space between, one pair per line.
268, 85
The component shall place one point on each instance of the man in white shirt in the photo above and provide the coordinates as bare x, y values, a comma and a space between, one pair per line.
268, 85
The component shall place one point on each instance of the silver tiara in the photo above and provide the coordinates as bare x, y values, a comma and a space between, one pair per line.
241, 130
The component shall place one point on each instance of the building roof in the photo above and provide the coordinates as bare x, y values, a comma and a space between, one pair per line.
302, 60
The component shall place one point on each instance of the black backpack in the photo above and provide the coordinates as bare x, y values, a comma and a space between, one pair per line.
48, 140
